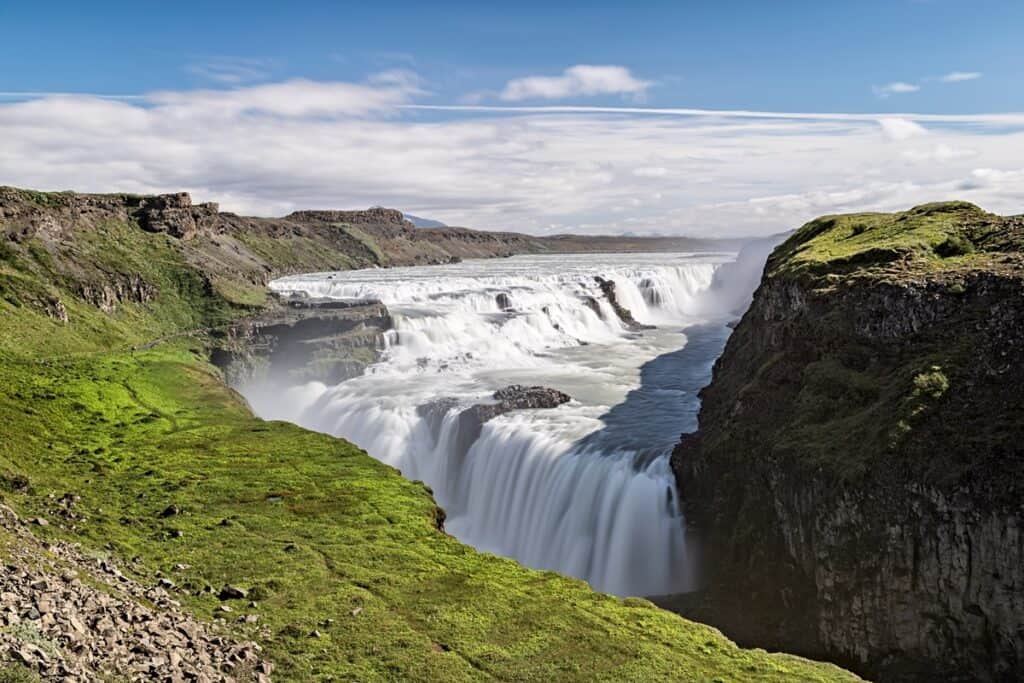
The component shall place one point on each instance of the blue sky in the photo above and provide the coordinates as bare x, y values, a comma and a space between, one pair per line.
789, 56
335, 86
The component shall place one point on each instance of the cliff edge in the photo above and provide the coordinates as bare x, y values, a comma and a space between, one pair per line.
856, 482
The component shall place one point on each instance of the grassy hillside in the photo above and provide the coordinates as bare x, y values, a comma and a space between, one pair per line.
108, 395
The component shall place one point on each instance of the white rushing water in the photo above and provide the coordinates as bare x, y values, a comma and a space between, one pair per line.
584, 489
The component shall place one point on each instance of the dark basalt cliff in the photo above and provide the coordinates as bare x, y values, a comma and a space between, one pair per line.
856, 482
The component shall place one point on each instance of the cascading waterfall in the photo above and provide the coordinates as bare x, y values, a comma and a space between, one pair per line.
583, 489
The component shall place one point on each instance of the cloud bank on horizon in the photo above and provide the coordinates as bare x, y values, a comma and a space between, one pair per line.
544, 166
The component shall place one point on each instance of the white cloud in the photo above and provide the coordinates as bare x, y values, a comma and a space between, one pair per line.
959, 76
293, 98
894, 88
896, 128
273, 148
582, 79
231, 70
939, 153
1014, 119
406, 79
650, 172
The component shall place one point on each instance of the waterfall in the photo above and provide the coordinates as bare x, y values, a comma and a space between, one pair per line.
584, 489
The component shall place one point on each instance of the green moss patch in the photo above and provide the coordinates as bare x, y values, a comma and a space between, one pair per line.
926, 238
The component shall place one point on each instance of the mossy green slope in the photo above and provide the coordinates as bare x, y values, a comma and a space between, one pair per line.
326, 538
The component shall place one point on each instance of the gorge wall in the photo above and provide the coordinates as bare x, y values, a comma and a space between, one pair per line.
857, 475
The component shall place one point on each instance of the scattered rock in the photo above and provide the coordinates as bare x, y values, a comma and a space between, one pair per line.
230, 592
170, 511
107, 627
55, 309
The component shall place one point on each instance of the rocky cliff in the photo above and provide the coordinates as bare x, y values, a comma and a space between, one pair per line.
857, 475
241, 253
300, 340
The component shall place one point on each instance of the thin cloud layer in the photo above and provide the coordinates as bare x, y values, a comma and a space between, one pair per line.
270, 149
579, 80
960, 76
895, 88
231, 70
901, 129
901, 87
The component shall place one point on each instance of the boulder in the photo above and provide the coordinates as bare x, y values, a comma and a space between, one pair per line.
230, 592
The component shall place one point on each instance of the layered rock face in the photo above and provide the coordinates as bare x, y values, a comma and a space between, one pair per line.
856, 480
52, 214
301, 340
226, 245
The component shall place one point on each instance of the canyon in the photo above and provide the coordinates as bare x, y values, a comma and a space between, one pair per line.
112, 308
847, 487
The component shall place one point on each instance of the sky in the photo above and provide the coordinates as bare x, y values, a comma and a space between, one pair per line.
726, 118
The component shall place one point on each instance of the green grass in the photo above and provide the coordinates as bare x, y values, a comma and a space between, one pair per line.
380, 258
293, 253
133, 434
17, 673
324, 536
927, 238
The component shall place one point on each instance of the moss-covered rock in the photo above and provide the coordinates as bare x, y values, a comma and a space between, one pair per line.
859, 469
